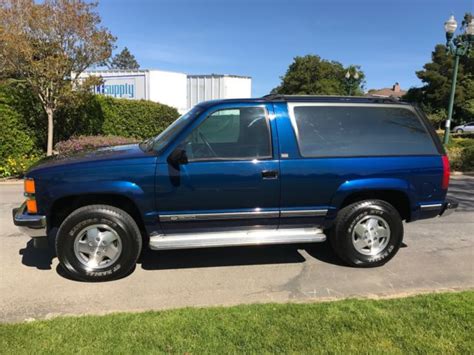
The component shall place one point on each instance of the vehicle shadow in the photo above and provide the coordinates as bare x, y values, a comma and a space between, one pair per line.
41, 259
235, 256
463, 191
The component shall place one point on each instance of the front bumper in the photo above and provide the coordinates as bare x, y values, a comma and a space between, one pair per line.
31, 224
449, 206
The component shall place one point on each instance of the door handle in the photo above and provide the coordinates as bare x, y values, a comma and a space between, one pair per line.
270, 174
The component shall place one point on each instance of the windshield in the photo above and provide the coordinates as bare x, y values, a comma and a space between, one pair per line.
160, 141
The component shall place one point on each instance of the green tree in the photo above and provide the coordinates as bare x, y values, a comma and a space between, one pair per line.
49, 44
436, 76
311, 75
124, 60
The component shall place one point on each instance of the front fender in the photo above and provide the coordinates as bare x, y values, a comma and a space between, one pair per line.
124, 188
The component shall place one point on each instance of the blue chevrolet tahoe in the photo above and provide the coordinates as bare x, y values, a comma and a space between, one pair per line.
273, 170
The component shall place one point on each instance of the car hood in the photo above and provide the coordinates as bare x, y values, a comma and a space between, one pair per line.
113, 153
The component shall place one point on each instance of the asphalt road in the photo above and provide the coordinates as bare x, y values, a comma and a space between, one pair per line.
438, 255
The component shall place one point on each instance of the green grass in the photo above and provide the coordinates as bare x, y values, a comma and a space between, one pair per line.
435, 323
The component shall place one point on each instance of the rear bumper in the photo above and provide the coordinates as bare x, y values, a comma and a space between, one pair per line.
32, 225
449, 206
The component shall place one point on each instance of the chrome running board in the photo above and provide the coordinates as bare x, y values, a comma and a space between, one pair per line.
236, 238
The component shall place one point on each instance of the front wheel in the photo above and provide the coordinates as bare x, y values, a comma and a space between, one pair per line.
367, 233
459, 130
98, 243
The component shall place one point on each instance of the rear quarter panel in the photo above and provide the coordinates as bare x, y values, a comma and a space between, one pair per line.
324, 183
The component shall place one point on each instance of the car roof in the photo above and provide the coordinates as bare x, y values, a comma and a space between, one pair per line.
309, 98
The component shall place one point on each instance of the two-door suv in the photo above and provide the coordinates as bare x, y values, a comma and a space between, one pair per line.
274, 170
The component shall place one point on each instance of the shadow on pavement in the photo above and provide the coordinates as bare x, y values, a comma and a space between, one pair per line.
463, 191
202, 258
38, 258
235, 256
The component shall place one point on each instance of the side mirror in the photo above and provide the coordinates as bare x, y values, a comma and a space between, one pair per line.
177, 157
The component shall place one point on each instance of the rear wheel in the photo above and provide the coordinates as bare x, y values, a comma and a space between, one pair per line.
98, 243
367, 233
459, 130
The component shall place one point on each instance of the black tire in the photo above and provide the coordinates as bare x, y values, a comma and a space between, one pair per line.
341, 237
112, 218
459, 131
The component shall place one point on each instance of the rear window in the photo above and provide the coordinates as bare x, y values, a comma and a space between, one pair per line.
342, 131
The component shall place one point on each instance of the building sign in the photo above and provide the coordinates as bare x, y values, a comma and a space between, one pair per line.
126, 87
117, 90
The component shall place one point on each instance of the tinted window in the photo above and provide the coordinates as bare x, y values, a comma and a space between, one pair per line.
360, 131
160, 141
240, 133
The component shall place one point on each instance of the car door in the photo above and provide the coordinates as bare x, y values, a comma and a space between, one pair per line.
469, 127
231, 178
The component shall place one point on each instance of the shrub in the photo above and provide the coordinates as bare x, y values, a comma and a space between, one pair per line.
17, 166
87, 114
17, 95
75, 144
461, 154
139, 119
15, 139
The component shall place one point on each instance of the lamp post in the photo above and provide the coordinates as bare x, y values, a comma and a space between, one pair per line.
457, 46
351, 79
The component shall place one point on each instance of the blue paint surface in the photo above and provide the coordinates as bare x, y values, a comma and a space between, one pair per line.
155, 187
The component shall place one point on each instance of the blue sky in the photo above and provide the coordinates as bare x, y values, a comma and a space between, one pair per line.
389, 39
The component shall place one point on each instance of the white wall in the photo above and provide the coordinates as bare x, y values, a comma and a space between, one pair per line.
171, 88
168, 88
212, 87
237, 87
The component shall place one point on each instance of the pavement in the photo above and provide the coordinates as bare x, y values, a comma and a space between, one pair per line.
438, 255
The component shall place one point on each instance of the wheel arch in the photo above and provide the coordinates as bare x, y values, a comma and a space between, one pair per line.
397, 192
64, 206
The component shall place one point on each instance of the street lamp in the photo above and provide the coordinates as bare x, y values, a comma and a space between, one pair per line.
351, 79
457, 46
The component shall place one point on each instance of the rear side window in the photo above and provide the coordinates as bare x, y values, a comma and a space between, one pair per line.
343, 131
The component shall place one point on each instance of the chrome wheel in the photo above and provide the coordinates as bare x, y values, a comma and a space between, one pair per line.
97, 246
371, 235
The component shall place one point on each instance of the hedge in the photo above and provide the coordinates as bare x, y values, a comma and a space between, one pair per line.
88, 115
461, 154
23, 123
138, 119
16, 143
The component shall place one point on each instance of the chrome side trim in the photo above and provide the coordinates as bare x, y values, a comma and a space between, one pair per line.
236, 238
429, 207
303, 213
217, 216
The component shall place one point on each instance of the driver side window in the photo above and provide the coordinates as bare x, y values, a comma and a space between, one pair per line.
231, 134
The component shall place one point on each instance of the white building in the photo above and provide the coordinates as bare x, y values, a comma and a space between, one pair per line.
170, 88
215, 86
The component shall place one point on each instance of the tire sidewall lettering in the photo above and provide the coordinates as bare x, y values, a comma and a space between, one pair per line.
371, 259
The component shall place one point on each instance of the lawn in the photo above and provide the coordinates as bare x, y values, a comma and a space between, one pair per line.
435, 323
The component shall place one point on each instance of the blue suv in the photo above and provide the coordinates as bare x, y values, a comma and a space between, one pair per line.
273, 170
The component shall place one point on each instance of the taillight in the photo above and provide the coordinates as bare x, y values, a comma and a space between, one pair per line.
446, 173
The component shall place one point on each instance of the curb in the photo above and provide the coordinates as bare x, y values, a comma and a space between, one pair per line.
11, 182
462, 173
